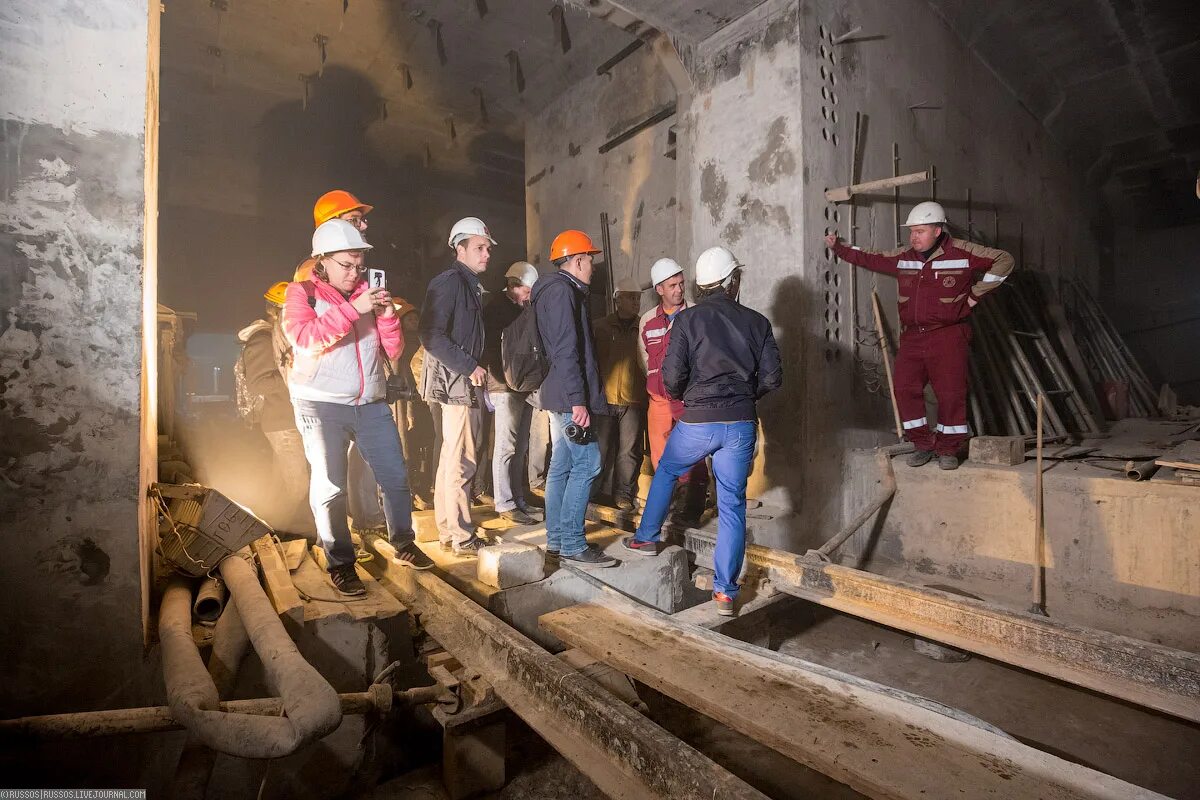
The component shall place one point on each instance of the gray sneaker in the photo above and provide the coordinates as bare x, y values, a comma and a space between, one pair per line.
919, 458
948, 462
591, 557
518, 517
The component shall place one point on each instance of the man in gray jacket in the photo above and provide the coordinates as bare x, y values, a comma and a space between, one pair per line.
452, 333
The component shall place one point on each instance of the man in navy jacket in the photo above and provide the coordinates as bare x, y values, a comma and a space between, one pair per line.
453, 337
721, 361
572, 393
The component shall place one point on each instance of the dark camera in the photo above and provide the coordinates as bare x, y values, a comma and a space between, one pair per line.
398, 389
579, 434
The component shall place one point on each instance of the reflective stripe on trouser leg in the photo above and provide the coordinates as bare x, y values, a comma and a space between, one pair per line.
910, 377
949, 351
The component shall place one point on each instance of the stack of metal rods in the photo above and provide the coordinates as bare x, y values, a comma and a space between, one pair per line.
1107, 356
1014, 360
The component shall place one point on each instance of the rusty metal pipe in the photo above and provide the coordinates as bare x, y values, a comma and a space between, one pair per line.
210, 600
160, 719
196, 762
311, 705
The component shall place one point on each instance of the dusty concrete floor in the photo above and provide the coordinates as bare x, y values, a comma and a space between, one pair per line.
1138, 746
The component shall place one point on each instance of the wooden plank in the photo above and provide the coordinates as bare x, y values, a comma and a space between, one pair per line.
278, 580
843, 193
1140, 672
871, 738
623, 753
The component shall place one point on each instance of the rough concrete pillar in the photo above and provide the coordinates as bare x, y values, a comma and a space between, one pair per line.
73, 120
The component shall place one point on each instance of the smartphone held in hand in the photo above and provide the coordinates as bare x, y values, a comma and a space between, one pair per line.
376, 279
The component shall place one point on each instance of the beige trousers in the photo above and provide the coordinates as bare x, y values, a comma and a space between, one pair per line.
461, 428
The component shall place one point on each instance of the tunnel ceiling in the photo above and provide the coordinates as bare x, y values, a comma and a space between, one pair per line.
1114, 81
453, 79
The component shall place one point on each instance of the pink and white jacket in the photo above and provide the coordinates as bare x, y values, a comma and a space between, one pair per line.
335, 350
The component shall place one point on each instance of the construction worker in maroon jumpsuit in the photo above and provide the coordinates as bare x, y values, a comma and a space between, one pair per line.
941, 280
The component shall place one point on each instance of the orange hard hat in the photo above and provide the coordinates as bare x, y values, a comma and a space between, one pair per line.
336, 203
572, 243
304, 270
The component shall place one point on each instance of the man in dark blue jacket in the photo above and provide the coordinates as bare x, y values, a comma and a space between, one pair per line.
452, 333
572, 393
721, 360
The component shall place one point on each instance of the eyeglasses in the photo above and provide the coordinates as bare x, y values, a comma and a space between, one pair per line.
348, 267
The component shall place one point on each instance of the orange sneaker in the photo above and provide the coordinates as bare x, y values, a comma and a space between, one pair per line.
724, 604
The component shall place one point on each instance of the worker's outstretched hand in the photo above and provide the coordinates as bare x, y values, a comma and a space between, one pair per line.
831, 240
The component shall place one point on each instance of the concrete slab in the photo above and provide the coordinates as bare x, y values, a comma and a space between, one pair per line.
1120, 555
511, 564
661, 582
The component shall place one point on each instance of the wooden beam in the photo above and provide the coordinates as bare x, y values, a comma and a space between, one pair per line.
622, 752
1137, 671
277, 580
870, 737
843, 193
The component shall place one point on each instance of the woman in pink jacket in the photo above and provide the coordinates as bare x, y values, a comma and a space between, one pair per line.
341, 331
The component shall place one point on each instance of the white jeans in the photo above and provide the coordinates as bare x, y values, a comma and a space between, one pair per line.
513, 415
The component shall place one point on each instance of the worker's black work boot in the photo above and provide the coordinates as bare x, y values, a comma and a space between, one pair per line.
919, 458
948, 462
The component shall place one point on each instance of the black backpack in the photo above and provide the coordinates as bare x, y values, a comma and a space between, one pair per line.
521, 353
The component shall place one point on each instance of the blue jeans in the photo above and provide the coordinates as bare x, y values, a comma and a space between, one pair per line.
573, 467
731, 445
362, 492
513, 414
327, 429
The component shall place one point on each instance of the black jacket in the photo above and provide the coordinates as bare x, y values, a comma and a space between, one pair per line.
499, 312
560, 302
722, 358
452, 333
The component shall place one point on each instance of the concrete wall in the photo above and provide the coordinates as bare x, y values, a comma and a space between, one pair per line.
1154, 299
241, 168
73, 83
769, 127
570, 183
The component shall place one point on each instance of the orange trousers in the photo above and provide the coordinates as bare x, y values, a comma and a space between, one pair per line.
659, 421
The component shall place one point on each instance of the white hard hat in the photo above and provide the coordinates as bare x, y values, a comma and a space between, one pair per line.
927, 213
664, 268
336, 235
467, 227
715, 265
523, 271
627, 285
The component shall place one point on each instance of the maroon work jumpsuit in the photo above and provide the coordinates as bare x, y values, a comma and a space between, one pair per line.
936, 295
